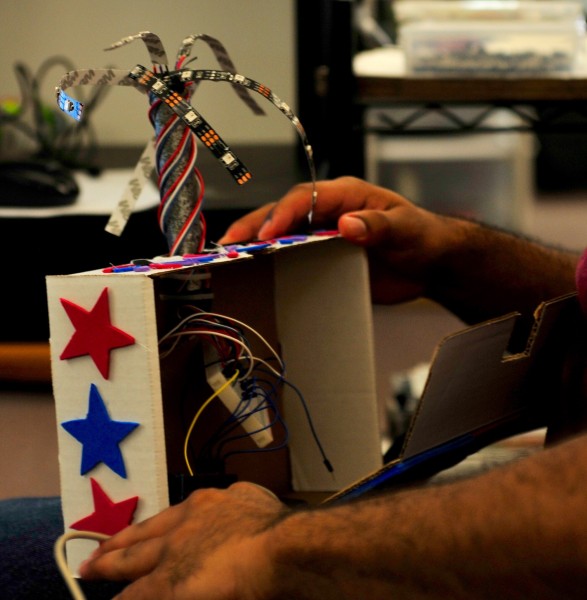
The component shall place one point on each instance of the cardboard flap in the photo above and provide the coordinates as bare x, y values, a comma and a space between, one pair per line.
474, 383
469, 385
477, 393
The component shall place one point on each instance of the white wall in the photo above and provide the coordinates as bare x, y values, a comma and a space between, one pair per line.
259, 35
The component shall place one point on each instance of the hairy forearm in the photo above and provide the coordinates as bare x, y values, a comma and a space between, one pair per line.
516, 532
483, 272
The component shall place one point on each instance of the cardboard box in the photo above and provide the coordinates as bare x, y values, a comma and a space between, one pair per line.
309, 296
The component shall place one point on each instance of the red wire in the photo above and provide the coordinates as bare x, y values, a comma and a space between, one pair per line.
188, 222
174, 185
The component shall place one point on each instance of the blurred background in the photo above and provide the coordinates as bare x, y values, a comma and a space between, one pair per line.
315, 55
259, 35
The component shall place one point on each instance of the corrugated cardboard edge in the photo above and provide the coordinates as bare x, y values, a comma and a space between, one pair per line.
324, 311
132, 393
509, 385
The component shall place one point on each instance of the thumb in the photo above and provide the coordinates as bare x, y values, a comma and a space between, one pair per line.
353, 228
366, 228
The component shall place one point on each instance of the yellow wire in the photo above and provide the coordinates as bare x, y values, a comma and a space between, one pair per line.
228, 383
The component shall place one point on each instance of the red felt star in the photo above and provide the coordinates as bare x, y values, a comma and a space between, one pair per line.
108, 517
94, 333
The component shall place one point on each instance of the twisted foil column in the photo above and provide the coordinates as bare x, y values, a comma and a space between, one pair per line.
180, 184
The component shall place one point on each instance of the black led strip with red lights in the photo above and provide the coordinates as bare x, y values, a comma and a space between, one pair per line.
194, 120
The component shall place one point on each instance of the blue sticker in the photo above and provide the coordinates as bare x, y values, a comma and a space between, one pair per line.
69, 105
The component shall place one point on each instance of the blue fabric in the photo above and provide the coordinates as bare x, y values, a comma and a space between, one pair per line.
28, 530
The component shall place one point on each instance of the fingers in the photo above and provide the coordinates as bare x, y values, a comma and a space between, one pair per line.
134, 551
377, 227
273, 219
124, 564
289, 213
335, 198
137, 550
353, 227
247, 227
149, 528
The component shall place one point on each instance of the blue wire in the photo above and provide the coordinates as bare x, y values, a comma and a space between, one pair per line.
304, 404
239, 418
241, 413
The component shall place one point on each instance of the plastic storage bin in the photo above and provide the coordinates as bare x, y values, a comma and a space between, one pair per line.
488, 177
480, 48
491, 38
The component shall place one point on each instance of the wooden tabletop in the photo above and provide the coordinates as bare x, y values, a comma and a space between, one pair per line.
470, 89
25, 362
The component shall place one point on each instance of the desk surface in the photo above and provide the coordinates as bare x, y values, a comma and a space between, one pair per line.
98, 196
275, 168
381, 76
22, 362
374, 89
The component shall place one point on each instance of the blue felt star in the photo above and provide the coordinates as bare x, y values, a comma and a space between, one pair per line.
100, 435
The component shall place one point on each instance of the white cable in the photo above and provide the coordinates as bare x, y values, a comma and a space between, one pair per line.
198, 315
255, 332
245, 348
60, 558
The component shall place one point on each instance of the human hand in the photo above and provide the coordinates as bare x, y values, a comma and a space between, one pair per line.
404, 242
210, 546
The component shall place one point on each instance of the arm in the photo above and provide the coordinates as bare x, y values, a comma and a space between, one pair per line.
515, 532
518, 531
475, 271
